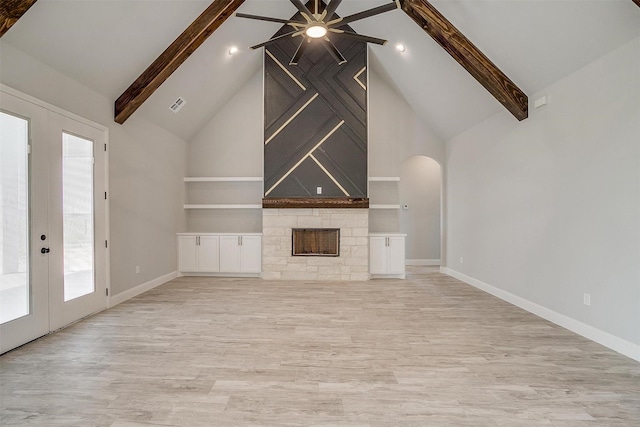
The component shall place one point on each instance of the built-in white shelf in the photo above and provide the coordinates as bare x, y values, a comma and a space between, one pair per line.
384, 206
384, 178
218, 206
224, 179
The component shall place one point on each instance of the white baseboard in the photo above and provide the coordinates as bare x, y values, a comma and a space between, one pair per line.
422, 262
606, 339
133, 292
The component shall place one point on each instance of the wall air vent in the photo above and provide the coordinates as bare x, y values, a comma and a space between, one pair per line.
177, 105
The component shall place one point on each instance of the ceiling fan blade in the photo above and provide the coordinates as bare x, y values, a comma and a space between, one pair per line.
360, 37
364, 14
331, 9
268, 19
333, 50
303, 9
275, 39
301, 48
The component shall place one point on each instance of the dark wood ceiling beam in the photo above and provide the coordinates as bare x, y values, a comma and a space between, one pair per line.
636, 2
469, 56
11, 11
173, 57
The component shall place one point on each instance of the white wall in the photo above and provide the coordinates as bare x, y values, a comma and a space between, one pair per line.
147, 165
229, 145
396, 135
420, 189
549, 209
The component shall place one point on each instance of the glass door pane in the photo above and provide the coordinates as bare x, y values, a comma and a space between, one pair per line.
14, 218
77, 195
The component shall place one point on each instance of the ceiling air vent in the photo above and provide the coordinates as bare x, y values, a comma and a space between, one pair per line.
177, 105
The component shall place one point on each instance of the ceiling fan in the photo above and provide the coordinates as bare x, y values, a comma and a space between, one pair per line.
319, 26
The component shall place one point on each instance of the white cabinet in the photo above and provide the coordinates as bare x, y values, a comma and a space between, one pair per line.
198, 253
386, 255
240, 254
220, 253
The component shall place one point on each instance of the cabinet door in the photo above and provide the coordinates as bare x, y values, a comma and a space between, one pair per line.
378, 255
230, 254
396, 255
250, 254
187, 259
208, 254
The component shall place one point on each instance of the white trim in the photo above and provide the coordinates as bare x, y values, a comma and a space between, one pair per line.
223, 206
606, 339
322, 141
384, 206
222, 274
133, 292
422, 262
51, 107
335, 181
387, 276
384, 179
296, 114
223, 179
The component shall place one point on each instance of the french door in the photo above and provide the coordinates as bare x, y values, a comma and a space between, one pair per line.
52, 220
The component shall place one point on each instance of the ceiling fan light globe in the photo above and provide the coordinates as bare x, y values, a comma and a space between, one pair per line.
316, 31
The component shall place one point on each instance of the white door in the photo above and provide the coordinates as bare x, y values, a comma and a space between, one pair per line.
208, 257
53, 217
250, 254
77, 220
378, 255
396, 255
229, 254
187, 253
24, 270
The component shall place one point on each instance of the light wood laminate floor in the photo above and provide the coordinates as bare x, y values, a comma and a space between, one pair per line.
427, 351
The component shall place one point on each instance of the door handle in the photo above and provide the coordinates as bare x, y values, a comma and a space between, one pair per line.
45, 250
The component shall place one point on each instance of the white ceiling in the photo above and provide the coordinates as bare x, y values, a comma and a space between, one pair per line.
107, 44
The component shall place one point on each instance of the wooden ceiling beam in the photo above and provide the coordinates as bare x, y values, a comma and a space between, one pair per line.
637, 2
469, 56
173, 57
11, 11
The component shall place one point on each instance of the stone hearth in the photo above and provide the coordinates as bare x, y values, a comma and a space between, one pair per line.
278, 262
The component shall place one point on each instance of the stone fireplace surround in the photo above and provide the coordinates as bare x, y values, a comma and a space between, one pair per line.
278, 262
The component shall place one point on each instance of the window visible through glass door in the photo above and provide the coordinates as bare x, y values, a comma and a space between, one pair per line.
14, 218
77, 210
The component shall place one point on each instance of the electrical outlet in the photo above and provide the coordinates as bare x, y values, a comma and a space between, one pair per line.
461, 260
318, 190
137, 269
586, 298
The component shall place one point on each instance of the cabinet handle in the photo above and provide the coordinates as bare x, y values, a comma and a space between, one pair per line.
198, 241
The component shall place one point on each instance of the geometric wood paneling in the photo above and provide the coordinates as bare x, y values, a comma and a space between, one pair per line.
315, 120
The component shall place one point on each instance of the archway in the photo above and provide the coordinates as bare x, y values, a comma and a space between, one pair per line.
420, 193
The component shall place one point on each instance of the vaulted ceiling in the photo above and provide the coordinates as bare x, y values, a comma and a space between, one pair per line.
106, 45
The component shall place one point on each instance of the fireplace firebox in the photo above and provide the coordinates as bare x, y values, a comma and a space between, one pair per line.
315, 242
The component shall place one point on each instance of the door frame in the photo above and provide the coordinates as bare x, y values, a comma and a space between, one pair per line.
107, 229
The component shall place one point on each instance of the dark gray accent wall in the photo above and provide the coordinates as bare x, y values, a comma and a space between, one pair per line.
297, 152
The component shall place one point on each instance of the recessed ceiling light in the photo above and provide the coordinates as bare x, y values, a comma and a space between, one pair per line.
400, 47
233, 50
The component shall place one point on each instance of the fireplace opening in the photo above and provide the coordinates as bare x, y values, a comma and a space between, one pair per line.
315, 242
